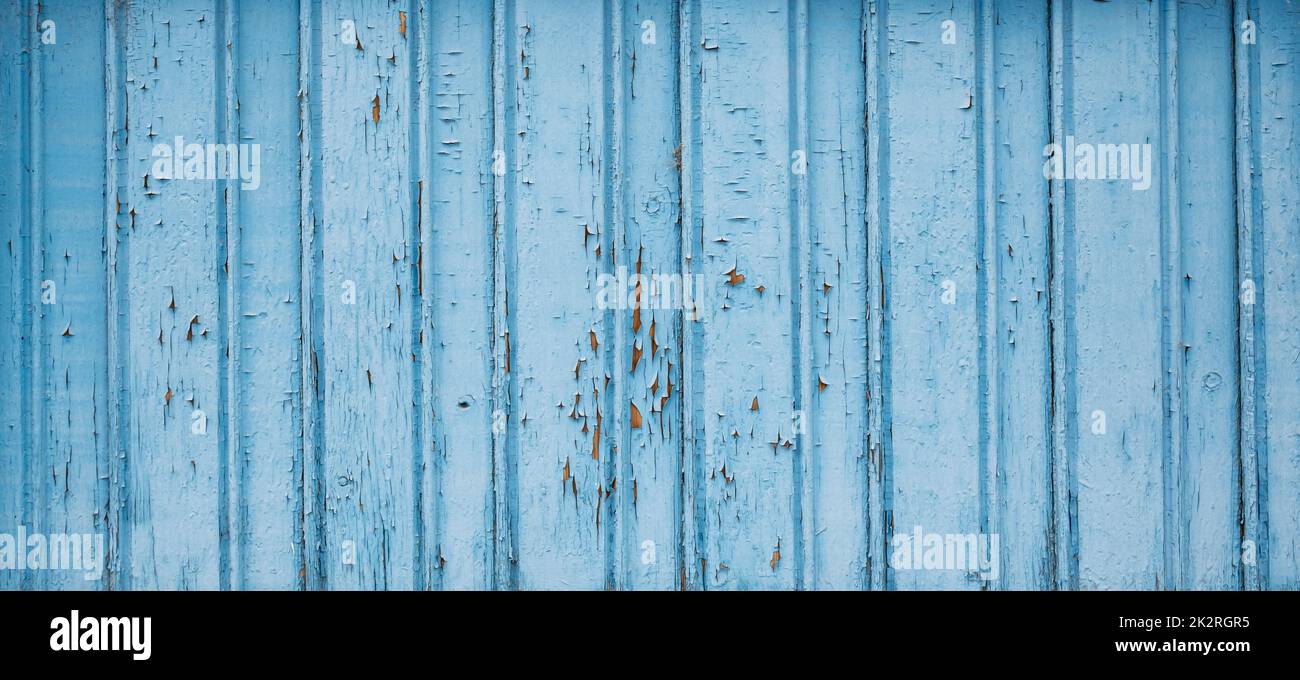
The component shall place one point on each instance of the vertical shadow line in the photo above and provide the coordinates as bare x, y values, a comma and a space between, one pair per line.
116, 317
314, 549
1252, 504
232, 517
1065, 536
801, 265
693, 550
36, 482
616, 465
680, 513
504, 444
879, 435
419, 175
1175, 514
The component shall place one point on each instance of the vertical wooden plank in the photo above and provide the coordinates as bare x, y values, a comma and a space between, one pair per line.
458, 287
621, 343
32, 389
310, 285
1207, 487
1065, 426
834, 299
117, 218
505, 463
419, 93
1173, 346
747, 245
933, 239
694, 528
229, 239
174, 474
1253, 569
70, 455
875, 53
265, 306
1278, 258
803, 481
15, 28
1115, 252
366, 212
1014, 128
558, 348
648, 242
476, 177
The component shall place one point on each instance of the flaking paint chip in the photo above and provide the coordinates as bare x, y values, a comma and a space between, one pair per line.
402, 27
635, 417
374, 110
754, 405
734, 277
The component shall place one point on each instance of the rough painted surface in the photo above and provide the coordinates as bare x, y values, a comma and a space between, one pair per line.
418, 356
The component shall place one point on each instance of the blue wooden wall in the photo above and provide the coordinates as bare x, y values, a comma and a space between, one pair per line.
408, 376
